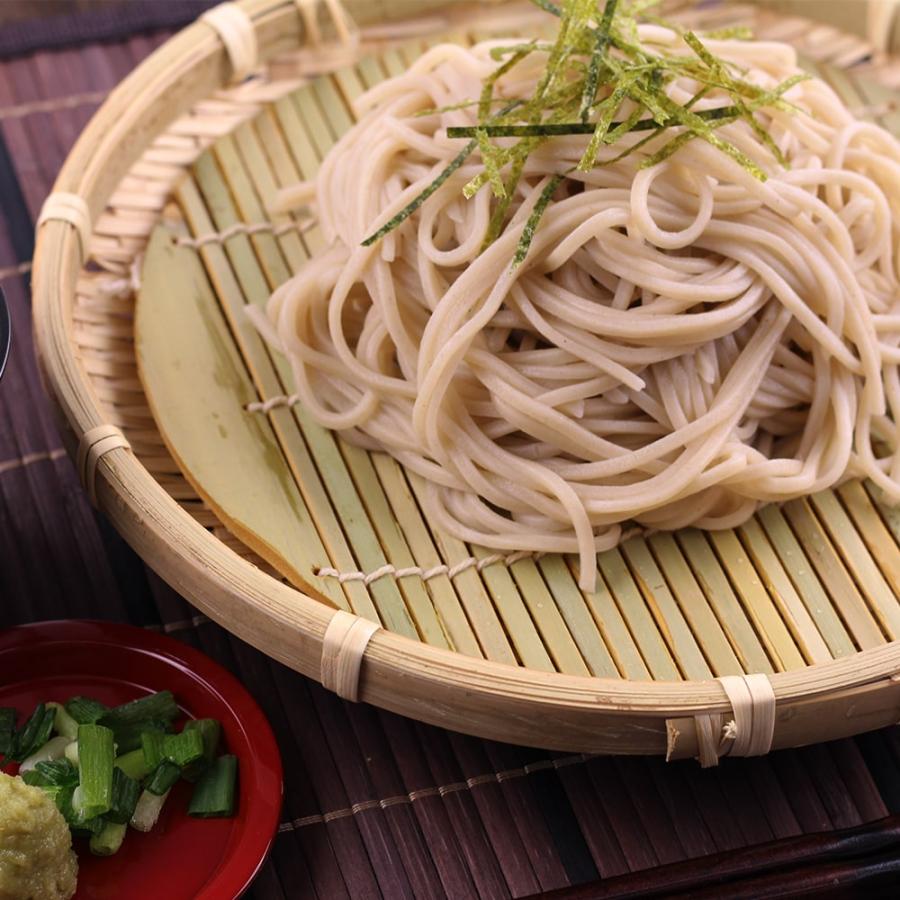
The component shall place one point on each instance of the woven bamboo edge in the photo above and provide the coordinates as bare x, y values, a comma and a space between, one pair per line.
490, 699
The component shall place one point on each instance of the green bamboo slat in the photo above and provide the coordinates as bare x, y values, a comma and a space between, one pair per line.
840, 586
859, 562
181, 338
513, 615
256, 160
303, 153
349, 84
250, 208
695, 607
370, 71
880, 95
414, 527
315, 122
803, 576
393, 542
663, 607
879, 541
546, 616
574, 609
480, 611
338, 118
756, 601
395, 63
841, 80
890, 514
733, 618
631, 604
611, 624
785, 597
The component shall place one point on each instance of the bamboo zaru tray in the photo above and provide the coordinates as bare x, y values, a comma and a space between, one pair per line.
253, 513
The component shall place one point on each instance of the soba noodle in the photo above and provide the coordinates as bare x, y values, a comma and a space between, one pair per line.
682, 343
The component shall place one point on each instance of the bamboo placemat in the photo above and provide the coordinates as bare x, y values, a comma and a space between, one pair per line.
376, 805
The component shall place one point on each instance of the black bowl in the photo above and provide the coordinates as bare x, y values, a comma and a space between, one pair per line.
4, 331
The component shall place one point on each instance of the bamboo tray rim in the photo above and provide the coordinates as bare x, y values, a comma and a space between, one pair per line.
179, 547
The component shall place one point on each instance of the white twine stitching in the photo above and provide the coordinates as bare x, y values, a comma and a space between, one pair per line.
53, 104
451, 572
181, 625
438, 791
22, 268
122, 288
29, 459
278, 400
219, 237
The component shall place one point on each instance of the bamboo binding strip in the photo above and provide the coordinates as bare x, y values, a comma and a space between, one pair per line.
92, 447
343, 648
235, 28
749, 730
67, 207
830, 678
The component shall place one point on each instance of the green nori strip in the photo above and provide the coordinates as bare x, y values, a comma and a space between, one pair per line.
593, 73
535, 218
557, 129
411, 207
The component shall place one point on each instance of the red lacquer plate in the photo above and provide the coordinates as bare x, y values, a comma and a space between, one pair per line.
182, 858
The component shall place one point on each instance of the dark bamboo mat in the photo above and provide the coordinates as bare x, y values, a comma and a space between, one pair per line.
376, 805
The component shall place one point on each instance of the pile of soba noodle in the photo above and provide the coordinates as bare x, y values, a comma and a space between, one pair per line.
682, 343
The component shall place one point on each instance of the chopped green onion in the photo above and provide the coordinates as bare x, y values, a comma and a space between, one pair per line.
54, 749
79, 816
156, 707
211, 732
182, 749
58, 772
33, 734
63, 723
147, 811
153, 748
7, 730
35, 779
214, 796
128, 735
108, 841
85, 711
65, 802
71, 753
134, 764
164, 778
96, 756
125, 794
